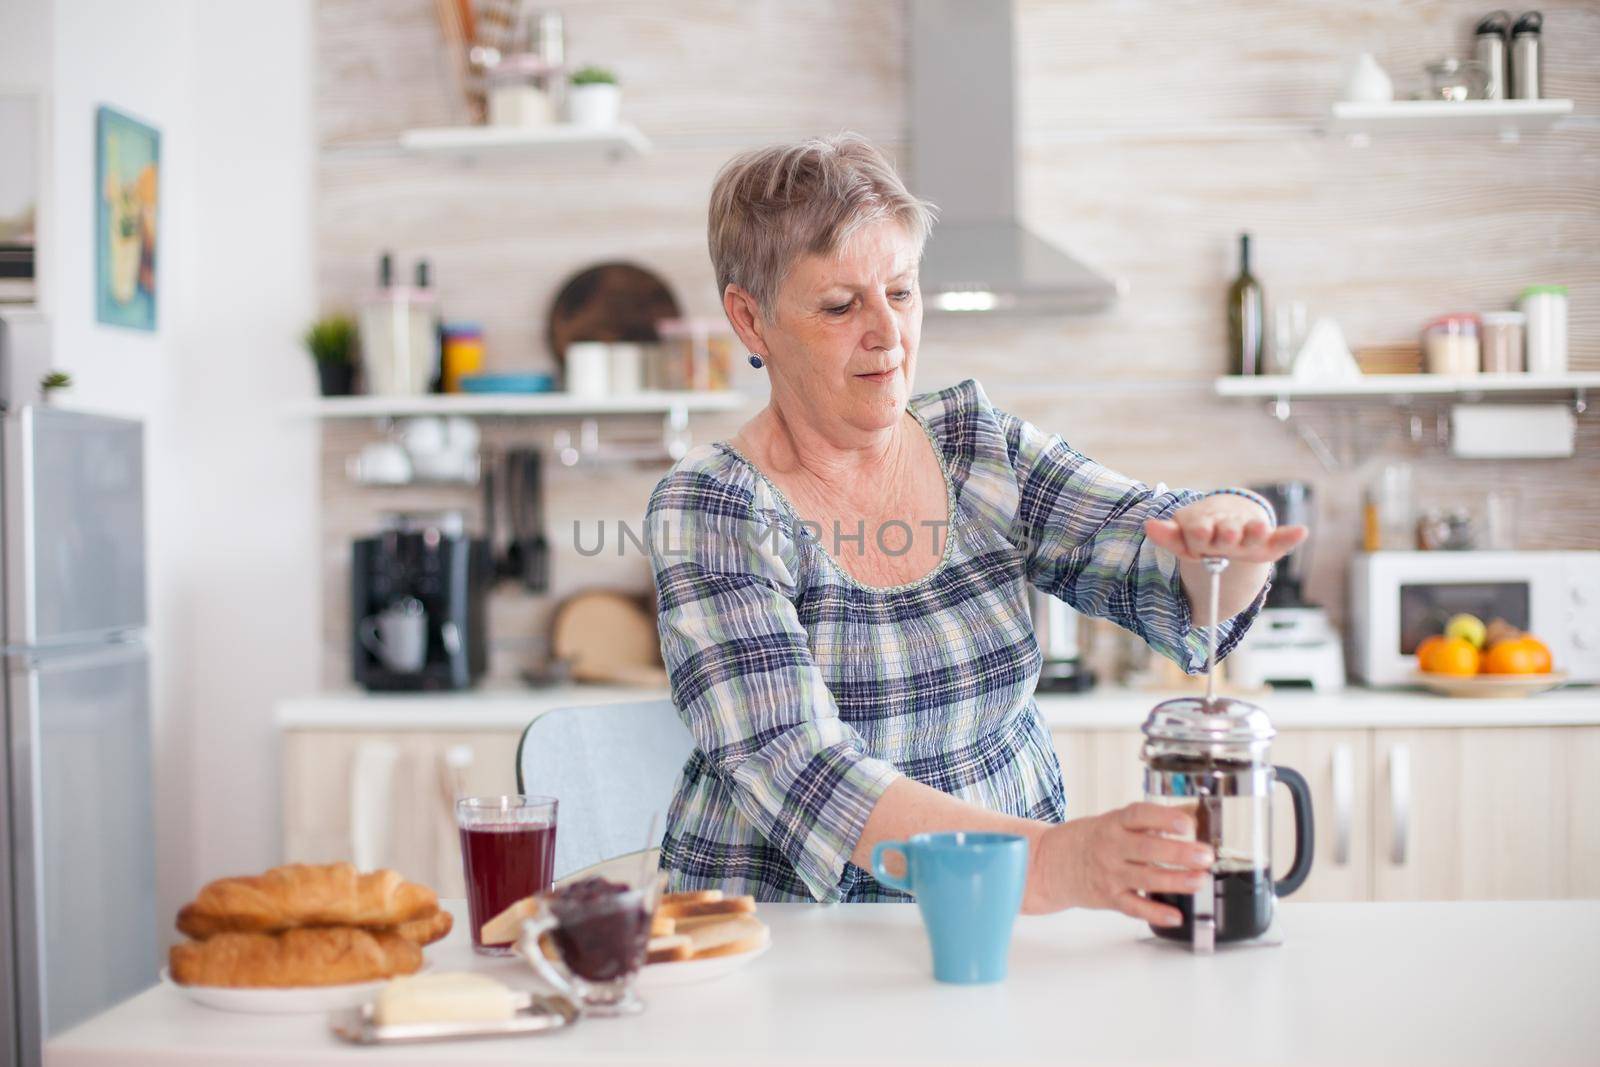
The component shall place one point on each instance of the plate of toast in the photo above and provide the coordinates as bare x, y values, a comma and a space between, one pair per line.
701, 935
302, 938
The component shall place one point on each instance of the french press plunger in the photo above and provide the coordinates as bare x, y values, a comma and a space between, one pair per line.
1210, 755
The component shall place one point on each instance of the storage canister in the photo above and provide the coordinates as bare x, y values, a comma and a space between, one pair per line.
463, 353
1501, 342
587, 368
1450, 345
1546, 341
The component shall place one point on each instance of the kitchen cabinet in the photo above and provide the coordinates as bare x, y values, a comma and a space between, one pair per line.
387, 799
1436, 813
1442, 813
1337, 766
1486, 814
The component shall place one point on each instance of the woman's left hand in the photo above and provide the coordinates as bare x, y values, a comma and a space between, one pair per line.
1223, 525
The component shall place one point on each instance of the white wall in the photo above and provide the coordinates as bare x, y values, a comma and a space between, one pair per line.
252, 567
231, 511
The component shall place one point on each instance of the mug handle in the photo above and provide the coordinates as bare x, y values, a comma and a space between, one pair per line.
371, 640
1304, 831
555, 974
878, 852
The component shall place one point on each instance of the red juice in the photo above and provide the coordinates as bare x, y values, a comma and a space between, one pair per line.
504, 862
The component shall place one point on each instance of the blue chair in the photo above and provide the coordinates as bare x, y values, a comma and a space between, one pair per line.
612, 766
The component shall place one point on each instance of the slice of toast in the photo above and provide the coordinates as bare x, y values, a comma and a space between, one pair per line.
669, 949
739, 933
692, 896
507, 926
684, 925
661, 926
695, 909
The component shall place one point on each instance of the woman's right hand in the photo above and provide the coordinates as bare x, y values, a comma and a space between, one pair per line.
1111, 860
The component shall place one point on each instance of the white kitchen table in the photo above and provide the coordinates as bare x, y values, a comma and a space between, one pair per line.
1449, 983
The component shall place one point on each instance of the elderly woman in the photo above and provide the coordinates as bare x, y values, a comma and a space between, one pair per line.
842, 585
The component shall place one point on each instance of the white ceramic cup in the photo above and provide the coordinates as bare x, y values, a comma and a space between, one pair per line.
398, 635
588, 368
627, 368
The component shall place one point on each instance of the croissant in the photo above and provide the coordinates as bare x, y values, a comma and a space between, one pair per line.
304, 895
428, 929
334, 955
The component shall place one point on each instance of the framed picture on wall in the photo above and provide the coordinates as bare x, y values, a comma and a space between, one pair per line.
127, 196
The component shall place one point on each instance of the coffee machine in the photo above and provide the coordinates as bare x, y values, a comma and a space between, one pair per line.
417, 605
1292, 642
1055, 626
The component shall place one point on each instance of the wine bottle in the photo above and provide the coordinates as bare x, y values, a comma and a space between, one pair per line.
1246, 317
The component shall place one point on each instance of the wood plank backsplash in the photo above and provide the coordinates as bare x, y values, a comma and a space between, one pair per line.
1151, 134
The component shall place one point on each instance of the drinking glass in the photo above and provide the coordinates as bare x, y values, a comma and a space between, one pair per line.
508, 852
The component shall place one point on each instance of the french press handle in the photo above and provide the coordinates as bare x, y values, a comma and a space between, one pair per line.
1305, 840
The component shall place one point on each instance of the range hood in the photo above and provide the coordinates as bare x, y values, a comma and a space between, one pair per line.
964, 159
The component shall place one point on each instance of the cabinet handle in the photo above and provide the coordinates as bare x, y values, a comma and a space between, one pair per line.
454, 762
1400, 803
1344, 801
372, 803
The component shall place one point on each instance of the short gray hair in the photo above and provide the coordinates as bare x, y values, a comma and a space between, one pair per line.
771, 205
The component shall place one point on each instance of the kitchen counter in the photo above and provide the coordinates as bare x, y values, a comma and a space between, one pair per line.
511, 708
1471, 983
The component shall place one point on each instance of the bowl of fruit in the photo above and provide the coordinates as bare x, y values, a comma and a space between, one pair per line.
1474, 659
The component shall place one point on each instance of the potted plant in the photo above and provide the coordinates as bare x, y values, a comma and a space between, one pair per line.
595, 100
331, 340
53, 383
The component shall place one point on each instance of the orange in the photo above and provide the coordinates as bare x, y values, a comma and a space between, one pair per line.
1452, 655
1525, 655
1425, 649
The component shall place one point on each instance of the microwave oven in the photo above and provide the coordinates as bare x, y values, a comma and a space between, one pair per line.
1399, 598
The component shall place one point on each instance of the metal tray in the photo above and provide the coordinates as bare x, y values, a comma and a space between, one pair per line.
535, 1013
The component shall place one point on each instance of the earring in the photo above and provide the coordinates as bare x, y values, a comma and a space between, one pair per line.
755, 361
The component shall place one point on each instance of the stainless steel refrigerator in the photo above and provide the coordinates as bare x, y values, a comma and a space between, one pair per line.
78, 893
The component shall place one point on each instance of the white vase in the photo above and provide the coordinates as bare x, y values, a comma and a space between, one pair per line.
1368, 83
595, 106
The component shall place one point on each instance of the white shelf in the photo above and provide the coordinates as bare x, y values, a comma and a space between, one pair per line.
565, 140
1508, 117
1399, 385
517, 404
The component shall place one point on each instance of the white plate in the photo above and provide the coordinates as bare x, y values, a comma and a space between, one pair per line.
296, 1000
1491, 685
687, 972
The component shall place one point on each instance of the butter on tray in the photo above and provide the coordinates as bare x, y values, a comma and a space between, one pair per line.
455, 997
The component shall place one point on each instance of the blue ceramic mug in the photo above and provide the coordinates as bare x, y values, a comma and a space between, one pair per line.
969, 889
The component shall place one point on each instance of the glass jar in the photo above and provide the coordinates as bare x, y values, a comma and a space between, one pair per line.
1501, 342
1450, 345
1210, 756
1388, 522
694, 354
1451, 79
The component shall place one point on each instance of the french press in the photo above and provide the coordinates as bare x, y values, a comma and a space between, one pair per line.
1210, 755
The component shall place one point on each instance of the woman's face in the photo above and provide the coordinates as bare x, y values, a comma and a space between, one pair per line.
843, 343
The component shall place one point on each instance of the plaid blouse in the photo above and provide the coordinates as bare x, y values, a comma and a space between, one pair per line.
808, 692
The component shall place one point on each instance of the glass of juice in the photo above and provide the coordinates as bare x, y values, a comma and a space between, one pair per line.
508, 851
